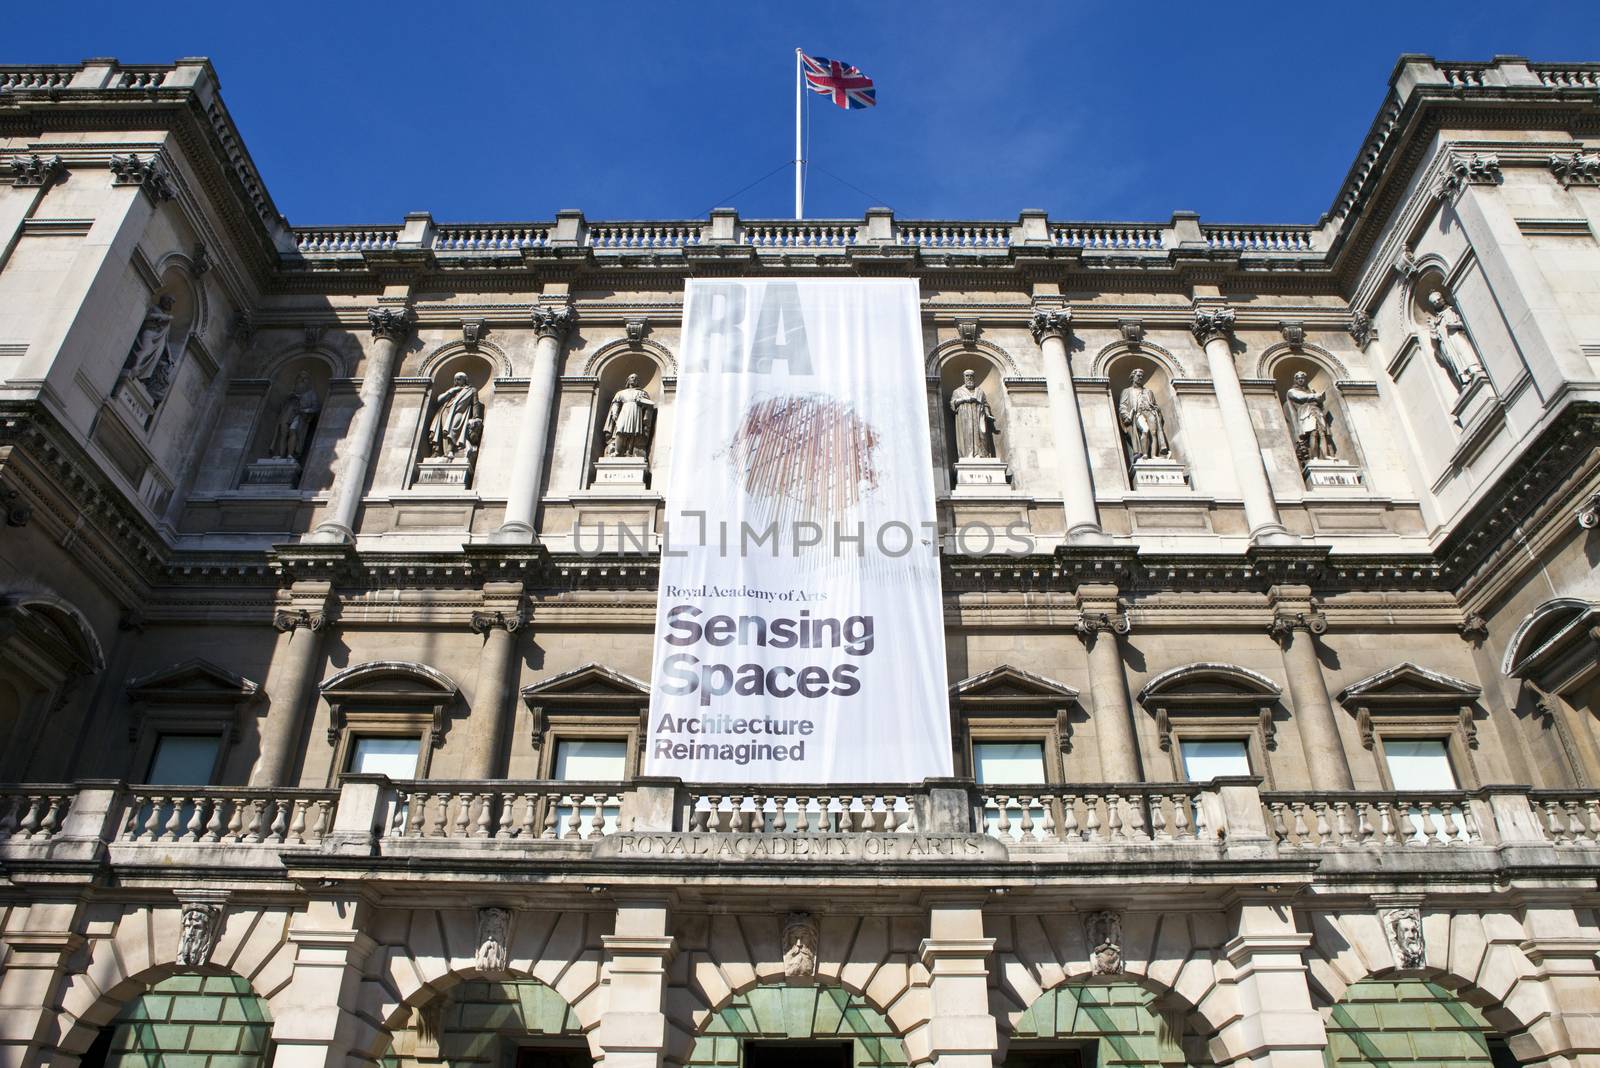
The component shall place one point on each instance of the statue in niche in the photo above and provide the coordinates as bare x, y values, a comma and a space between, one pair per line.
297, 418
1451, 345
630, 422
1142, 422
975, 423
150, 359
1310, 420
457, 423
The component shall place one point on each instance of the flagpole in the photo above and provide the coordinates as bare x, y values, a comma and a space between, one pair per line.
799, 163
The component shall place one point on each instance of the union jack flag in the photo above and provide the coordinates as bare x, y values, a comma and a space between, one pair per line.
848, 87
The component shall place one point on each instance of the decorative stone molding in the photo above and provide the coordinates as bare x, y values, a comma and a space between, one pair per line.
1474, 628
149, 174
1284, 625
1580, 168
1361, 328
1403, 928
242, 329
287, 619
472, 331
636, 330
202, 922
1132, 331
390, 324
554, 320
967, 329
1294, 333
1051, 322
1092, 624
200, 259
484, 622
494, 941
37, 171
17, 511
1406, 265
1104, 932
1212, 323
1589, 514
800, 945
1462, 171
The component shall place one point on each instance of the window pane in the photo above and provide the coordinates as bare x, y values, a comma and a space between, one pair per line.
1203, 761
394, 757
184, 760
1008, 762
1419, 764
591, 760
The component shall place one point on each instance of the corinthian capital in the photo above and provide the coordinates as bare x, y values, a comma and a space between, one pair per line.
554, 320
35, 170
391, 324
1212, 323
1051, 322
149, 174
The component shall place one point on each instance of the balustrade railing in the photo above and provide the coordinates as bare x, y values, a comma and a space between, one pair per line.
642, 235
800, 234
954, 235
327, 240
35, 78
1567, 818
1107, 236
33, 813
1365, 820
489, 237
528, 811
1258, 238
1563, 76
1107, 815
243, 816
800, 810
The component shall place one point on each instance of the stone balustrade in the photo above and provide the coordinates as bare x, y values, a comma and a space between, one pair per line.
1365, 820
800, 810
524, 812
154, 814
33, 812
1103, 815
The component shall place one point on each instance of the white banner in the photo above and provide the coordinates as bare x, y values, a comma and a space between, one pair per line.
799, 630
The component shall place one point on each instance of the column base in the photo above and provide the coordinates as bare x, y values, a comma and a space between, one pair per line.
514, 534
1087, 534
1274, 534
331, 534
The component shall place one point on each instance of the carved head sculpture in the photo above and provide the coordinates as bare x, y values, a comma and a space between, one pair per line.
1136, 377
166, 301
1436, 301
198, 935
461, 379
1301, 380
633, 382
968, 379
800, 945
494, 934
302, 382
1104, 930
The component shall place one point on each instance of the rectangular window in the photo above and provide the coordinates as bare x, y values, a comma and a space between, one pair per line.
1002, 764
1210, 759
377, 755
590, 760
1419, 764
184, 760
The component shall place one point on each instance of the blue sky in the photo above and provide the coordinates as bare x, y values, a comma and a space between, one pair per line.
1090, 110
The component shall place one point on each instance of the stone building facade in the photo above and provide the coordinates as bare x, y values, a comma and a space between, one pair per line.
326, 601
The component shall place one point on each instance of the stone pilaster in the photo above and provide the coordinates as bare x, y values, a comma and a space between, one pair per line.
488, 725
1295, 624
1051, 328
1562, 944
635, 1031
553, 322
1100, 622
960, 1032
38, 943
1275, 1025
1213, 328
315, 1026
390, 328
297, 662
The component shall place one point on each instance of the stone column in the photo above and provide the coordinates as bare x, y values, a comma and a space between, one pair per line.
527, 471
390, 328
291, 683
316, 1025
634, 1030
1213, 328
1100, 622
1276, 1025
1294, 626
488, 724
39, 942
1050, 329
960, 1032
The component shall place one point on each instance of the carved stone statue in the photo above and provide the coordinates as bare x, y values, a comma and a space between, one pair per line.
1404, 928
494, 939
457, 423
1142, 421
800, 945
1310, 420
1104, 930
198, 936
975, 423
297, 418
150, 359
631, 421
1451, 345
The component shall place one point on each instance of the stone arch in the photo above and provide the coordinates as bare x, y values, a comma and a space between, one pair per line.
181, 264
430, 952
1280, 363
65, 618
48, 650
338, 365
1478, 959
778, 1010
365, 675
141, 951
320, 366
1116, 363
1124, 1017
1149, 350
945, 350
1171, 956
1544, 627
1272, 355
603, 355
489, 352
1397, 1011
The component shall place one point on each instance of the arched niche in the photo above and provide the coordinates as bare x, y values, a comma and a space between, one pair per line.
1436, 317
989, 376
611, 375
1158, 378
289, 419
153, 359
1322, 374
453, 424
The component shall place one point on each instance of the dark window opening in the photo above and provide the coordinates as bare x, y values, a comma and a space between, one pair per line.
797, 1054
